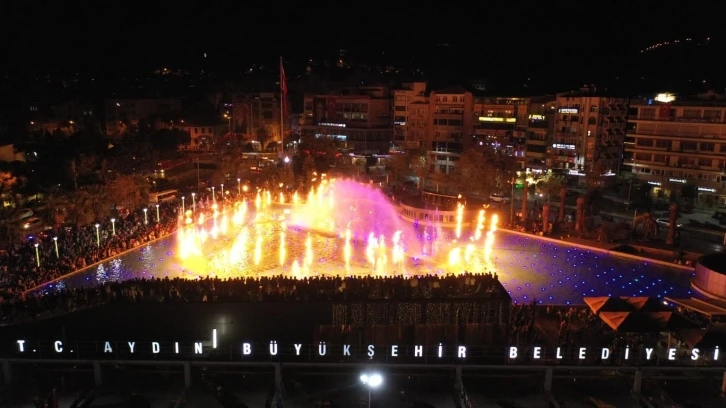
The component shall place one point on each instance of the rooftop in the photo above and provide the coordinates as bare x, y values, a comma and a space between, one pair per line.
452, 90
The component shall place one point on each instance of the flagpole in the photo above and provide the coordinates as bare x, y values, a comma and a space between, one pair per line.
282, 110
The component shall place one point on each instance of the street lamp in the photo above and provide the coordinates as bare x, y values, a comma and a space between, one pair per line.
371, 381
113, 226
98, 235
222, 191
158, 217
55, 241
239, 187
229, 122
184, 210
37, 255
146, 219
194, 203
214, 197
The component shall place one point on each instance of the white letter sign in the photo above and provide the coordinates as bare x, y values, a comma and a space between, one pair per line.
605, 353
394, 351
671, 354
582, 353
648, 352
462, 352
131, 346
346, 350
58, 346
297, 349
418, 351
246, 349
107, 348
21, 345
155, 348
694, 354
512, 352
537, 352
198, 348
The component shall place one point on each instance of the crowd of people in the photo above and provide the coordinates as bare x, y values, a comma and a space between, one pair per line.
254, 289
43, 258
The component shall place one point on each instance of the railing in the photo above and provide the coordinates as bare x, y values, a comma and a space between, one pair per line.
681, 119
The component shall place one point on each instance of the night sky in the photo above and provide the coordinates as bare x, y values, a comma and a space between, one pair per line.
557, 44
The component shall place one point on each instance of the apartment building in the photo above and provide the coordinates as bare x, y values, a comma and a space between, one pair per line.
538, 136
359, 118
501, 122
589, 133
451, 126
257, 115
411, 116
678, 147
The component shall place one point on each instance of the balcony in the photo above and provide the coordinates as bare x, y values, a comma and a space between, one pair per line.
681, 119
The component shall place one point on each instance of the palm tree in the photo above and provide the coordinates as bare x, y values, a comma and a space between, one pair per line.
672, 220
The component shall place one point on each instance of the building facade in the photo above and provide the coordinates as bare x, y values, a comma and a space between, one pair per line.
451, 126
411, 116
678, 147
257, 115
203, 135
540, 126
121, 114
501, 122
359, 119
589, 133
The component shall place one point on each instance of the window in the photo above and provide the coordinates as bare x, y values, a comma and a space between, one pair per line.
707, 147
663, 144
401, 97
647, 113
400, 108
692, 113
592, 120
593, 108
712, 115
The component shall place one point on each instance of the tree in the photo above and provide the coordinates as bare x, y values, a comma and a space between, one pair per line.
399, 167
551, 184
483, 170
420, 167
308, 168
88, 204
168, 140
10, 214
128, 191
262, 135
286, 176
594, 175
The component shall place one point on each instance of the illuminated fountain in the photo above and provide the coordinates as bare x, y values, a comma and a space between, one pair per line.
342, 228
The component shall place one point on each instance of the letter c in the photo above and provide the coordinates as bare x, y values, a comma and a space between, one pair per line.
58, 346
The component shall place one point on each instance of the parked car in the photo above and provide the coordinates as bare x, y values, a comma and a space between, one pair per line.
665, 222
23, 214
32, 223
499, 198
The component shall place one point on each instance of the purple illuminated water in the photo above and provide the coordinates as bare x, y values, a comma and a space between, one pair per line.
529, 268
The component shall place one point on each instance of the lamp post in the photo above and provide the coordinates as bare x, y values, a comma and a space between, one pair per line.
194, 202
184, 210
239, 187
146, 219
37, 255
113, 226
214, 197
158, 216
55, 242
98, 235
222, 191
371, 381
